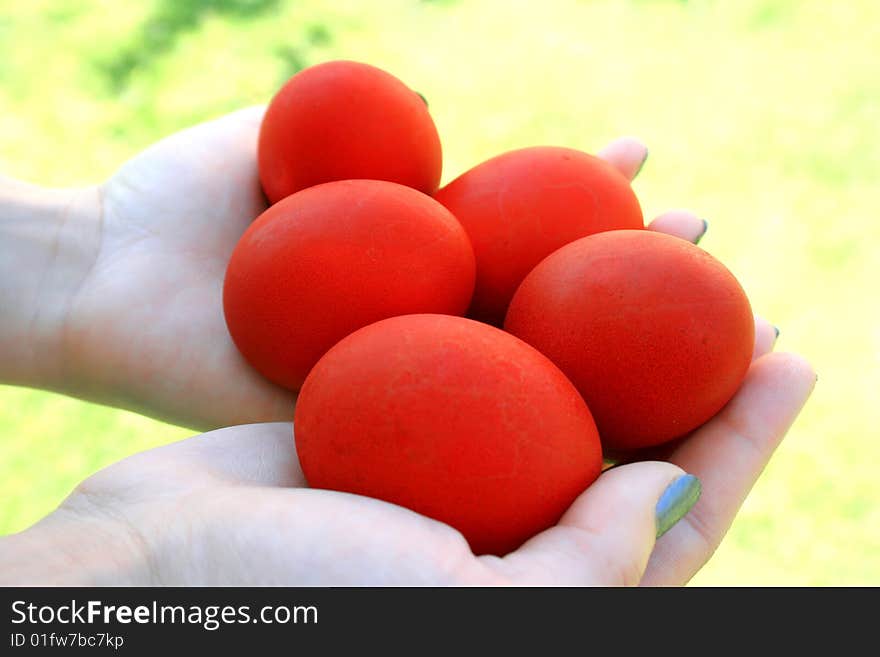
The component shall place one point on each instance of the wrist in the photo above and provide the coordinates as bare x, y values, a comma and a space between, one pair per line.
49, 241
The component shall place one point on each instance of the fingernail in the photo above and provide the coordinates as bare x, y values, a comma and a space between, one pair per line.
703, 232
676, 501
776, 328
642, 164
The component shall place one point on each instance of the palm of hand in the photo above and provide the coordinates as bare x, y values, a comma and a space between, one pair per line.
170, 220
230, 508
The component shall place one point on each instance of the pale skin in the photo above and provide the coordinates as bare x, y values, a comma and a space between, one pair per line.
112, 293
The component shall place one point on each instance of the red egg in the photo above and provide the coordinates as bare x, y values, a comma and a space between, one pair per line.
521, 206
345, 120
656, 334
332, 258
452, 418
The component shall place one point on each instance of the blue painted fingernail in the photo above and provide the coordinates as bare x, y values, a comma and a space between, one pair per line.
678, 498
705, 228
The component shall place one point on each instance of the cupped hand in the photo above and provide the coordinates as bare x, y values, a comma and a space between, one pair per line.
232, 507
123, 302
148, 320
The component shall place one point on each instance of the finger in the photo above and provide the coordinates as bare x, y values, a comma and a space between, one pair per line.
728, 455
626, 154
765, 337
251, 116
680, 223
604, 539
251, 454
248, 454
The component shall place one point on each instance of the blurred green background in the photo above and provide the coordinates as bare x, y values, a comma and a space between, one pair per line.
761, 116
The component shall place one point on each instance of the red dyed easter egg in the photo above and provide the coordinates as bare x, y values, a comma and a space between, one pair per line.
452, 418
344, 120
656, 334
335, 257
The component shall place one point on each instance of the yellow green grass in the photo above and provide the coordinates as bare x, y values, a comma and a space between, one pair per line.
762, 116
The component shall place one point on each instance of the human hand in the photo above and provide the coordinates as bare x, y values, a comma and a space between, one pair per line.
142, 325
114, 292
232, 508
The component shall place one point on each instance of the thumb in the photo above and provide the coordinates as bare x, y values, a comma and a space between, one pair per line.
607, 535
